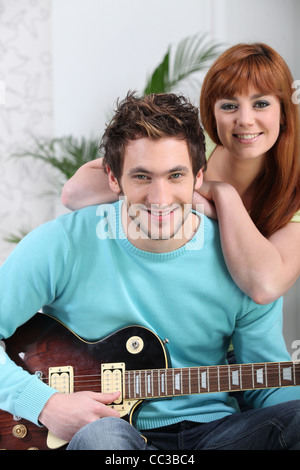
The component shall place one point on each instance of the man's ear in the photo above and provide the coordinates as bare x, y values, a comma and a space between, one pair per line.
199, 179
113, 182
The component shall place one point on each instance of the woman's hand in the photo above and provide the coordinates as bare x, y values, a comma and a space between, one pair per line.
205, 196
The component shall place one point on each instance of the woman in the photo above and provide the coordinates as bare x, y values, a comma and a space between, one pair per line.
252, 181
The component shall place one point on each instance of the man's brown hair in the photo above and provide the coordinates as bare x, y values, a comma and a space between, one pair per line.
154, 116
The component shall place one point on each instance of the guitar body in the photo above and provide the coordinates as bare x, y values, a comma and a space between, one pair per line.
44, 343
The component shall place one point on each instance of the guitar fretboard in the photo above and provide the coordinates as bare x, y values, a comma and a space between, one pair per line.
143, 384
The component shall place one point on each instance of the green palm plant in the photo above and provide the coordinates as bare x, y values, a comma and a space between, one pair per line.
193, 54
65, 154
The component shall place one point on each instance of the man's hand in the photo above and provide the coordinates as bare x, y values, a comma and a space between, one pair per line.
65, 414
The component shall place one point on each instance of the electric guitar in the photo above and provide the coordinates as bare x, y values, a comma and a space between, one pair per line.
132, 360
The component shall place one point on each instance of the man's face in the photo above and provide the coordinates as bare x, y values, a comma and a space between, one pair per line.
158, 183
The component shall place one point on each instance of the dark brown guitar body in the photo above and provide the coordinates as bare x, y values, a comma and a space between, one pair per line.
46, 343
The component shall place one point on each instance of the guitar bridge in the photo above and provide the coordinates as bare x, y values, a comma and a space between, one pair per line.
62, 379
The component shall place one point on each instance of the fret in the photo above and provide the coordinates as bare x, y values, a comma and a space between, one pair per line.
185, 381
155, 384
162, 383
137, 388
224, 378
127, 384
296, 373
203, 379
247, 376
234, 377
170, 382
212, 379
177, 382
286, 374
158, 383
194, 380
241, 378
143, 383
259, 376
208, 383
279, 374
273, 378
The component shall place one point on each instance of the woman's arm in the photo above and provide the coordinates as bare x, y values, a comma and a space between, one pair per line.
89, 186
263, 268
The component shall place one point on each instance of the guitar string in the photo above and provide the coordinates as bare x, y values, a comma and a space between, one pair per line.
167, 376
212, 371
129, 379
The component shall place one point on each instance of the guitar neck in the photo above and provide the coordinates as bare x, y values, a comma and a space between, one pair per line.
159, 383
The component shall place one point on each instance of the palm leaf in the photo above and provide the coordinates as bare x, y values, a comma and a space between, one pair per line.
66, 154
193, 54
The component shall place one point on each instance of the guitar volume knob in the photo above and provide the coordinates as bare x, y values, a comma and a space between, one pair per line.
19, 431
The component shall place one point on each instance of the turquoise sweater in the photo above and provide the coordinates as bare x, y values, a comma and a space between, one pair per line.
81, 269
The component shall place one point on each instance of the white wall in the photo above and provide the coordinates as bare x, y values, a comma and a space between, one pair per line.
65, 62
101, 49
25, 68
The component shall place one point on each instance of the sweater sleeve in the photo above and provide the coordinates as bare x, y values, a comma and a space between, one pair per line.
30, 278
258, 338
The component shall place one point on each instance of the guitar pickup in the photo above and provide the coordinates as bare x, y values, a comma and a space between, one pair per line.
112, 379
62, 379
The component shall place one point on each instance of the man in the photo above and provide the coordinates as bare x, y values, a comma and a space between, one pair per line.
147, 260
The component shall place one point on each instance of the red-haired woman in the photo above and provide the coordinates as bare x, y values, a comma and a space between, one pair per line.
252, 181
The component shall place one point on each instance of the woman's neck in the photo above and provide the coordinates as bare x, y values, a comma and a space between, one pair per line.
241, 174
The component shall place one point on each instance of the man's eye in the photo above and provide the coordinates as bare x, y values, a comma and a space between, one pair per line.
176, 175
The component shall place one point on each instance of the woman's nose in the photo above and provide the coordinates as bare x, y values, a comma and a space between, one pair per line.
245, 116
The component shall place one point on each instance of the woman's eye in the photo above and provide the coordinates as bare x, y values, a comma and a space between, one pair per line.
228, 106
261, 104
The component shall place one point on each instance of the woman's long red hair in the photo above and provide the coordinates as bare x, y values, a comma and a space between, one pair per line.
277, 195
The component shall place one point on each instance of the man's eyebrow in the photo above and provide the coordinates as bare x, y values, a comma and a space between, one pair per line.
141, 169
138, 169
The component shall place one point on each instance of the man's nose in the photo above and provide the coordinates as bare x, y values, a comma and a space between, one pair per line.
160, 193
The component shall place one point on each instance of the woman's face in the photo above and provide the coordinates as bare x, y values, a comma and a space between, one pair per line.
248, 125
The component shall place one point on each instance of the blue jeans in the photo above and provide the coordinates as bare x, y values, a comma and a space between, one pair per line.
275, 427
